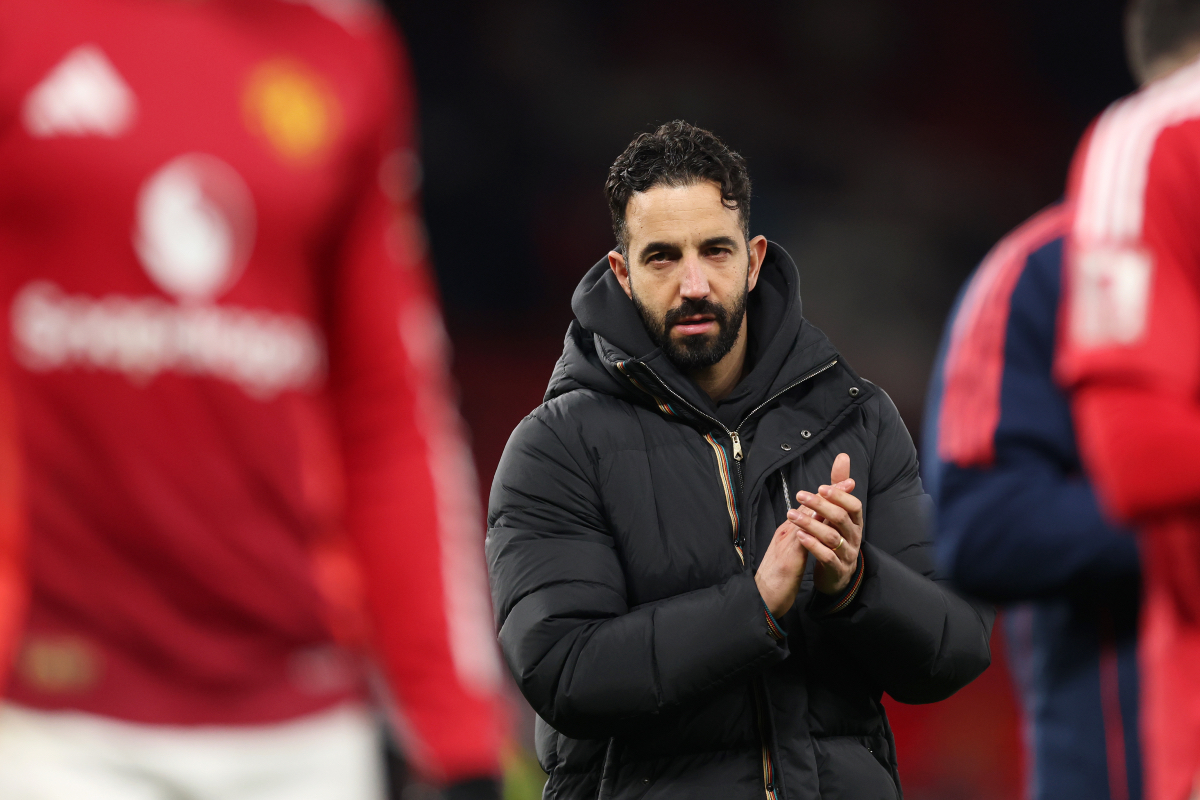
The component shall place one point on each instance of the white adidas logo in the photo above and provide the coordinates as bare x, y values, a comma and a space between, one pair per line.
353, 15
83, 96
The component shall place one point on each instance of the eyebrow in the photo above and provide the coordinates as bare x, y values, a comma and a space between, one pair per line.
653, 246
715, 241
728, 241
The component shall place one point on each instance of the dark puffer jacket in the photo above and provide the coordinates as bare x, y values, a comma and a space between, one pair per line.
625, 611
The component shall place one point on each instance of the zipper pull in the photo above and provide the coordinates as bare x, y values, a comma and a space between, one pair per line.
737, 445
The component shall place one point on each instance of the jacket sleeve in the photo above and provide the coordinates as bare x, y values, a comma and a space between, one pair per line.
908, 630
1020, 522
588, 663
1024, 530
411, 501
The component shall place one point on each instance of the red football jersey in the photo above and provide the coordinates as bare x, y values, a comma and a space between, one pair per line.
13, 578
1131, 352
230, 373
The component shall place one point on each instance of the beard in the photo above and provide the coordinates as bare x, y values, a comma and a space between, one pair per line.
699, 351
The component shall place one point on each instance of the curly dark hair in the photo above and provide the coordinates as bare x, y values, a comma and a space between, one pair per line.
1158, 28
676, 154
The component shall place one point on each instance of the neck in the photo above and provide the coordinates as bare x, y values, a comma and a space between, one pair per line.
720, 379
1169, 64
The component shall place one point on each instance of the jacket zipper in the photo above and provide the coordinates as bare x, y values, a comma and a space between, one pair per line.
735, 435
734, 438
735, 519
768, 764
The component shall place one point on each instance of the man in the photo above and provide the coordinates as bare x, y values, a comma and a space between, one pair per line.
1002, 466
245, 469
681, 625
1131, 354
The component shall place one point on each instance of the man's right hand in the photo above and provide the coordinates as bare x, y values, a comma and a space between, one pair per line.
782, 567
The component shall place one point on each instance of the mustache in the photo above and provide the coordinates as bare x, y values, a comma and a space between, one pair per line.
692, 308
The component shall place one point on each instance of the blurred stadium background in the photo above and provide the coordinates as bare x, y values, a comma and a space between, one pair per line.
891, 145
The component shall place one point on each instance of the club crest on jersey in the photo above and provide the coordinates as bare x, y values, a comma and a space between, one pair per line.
83, 95
195, 227
1110, 300
193, 236
58, 664
291, 107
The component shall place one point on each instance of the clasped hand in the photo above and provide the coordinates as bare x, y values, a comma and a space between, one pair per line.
828, 526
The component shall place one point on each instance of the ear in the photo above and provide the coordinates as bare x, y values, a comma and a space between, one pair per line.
616, 262
757, 249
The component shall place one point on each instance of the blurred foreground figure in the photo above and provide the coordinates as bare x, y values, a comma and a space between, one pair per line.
13, 574
684, 625
1131, 353
245, 467
1018, 523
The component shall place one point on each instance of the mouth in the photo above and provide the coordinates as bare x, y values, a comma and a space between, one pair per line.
695, 325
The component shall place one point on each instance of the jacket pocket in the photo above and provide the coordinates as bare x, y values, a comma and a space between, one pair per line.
848, 770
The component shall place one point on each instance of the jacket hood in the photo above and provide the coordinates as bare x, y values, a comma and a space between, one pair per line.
608, 335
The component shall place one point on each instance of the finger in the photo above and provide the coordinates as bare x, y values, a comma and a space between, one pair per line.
834, 514
841, 468
828, 536
845, 500
841, 499
806, 511
825, 555
846, 486
844, 540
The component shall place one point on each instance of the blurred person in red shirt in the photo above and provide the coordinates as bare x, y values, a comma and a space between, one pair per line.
13, 578
1131, 353
245, 468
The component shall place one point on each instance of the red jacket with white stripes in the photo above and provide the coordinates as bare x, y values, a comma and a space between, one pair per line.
245, 466
1131, 352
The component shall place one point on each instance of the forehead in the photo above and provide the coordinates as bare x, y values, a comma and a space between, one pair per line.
680, 214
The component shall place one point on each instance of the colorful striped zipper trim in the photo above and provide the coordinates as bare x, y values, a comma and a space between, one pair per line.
768, 765
768, 773
852, 590
773, 626
663, 406
730, 498
723, 469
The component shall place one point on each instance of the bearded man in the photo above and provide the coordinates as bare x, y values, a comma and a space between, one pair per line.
683, 620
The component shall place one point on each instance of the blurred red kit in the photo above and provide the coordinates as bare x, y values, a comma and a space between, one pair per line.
244, 460
13, 577
1131, 350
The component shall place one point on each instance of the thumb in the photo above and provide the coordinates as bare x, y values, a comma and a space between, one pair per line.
841, 469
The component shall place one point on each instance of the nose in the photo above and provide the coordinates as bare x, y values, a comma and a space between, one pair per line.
694, 284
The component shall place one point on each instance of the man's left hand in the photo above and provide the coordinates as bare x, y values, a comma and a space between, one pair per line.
831, 523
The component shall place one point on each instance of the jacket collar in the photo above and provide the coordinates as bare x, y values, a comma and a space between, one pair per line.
784, 346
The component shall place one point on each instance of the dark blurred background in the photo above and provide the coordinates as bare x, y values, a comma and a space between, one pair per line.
890, 144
